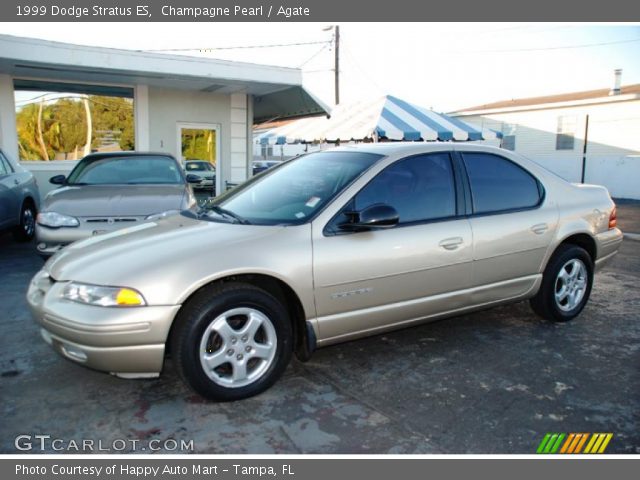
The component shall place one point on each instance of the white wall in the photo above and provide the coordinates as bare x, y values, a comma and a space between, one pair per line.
239, 154
8, 132
168, 108
613, 149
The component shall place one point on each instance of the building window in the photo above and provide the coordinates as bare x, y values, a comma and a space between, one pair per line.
266, 151
508, 136
565, 139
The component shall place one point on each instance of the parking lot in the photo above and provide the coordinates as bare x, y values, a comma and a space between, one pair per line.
490, 382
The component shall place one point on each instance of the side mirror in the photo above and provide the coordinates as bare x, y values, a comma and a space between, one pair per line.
58, 180
193, 178
379, 215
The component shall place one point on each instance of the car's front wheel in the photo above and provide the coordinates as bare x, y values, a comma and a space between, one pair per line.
25, 230
231, 341
566, 284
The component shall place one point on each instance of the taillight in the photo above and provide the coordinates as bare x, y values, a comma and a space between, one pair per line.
613, 218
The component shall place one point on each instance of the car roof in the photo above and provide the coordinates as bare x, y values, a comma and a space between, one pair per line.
399, 148
103, 155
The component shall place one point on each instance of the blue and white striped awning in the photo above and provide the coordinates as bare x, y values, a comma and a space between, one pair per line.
388, 117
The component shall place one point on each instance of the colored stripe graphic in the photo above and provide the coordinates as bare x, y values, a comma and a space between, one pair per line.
543, 443
577, 443
574, 443
567, 443
592, 441
598, 443
583, 440
606, 441
551, 442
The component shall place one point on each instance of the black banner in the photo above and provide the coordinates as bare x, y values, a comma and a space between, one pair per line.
315, 469
314, 11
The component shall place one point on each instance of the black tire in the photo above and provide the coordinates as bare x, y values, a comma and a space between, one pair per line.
191, 329
545, 303
26, 229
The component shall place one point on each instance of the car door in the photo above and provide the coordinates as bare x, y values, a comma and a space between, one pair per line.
370, 280
511, 222
8, 194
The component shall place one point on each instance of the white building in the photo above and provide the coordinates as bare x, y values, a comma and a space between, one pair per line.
591, 136
169, 93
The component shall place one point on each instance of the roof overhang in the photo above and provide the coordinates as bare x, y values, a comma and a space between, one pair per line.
549, 106
278, 91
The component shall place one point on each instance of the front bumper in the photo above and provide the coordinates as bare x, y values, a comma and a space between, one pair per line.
51, 240
127, 341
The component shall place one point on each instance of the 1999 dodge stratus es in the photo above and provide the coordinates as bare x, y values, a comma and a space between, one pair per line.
324, 248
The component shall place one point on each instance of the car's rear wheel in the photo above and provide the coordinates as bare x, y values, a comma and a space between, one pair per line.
566, 284
26, 229
231, 341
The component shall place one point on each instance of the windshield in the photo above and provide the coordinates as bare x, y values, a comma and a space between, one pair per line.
127, 170
293, 192
199, 167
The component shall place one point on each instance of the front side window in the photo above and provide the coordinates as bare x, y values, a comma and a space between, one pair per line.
295, 191
143, 170
498, 184
420, 188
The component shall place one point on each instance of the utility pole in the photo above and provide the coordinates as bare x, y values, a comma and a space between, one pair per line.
336, 51
337, 63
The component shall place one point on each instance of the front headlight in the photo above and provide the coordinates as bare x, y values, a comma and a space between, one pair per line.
56, 220
103, 296
158, 216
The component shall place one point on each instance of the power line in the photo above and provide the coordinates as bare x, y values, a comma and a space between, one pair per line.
31, 100
565, 47
367, 75
236, 47
324, 47
319, 70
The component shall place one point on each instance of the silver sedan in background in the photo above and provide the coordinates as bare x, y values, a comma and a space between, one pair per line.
110, 191
19, 199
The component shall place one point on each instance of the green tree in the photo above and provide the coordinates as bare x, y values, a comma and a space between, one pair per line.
68, 133
113, 117
28, 119
62, 124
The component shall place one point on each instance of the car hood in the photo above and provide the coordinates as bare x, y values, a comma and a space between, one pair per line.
110, 200
158, 257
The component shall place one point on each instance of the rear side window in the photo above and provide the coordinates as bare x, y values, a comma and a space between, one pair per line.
420, 188
498, 184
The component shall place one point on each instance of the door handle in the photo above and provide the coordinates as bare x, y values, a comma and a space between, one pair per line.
16, 181
540, 228
451, 243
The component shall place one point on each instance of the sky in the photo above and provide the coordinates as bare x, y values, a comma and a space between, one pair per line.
444, 66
